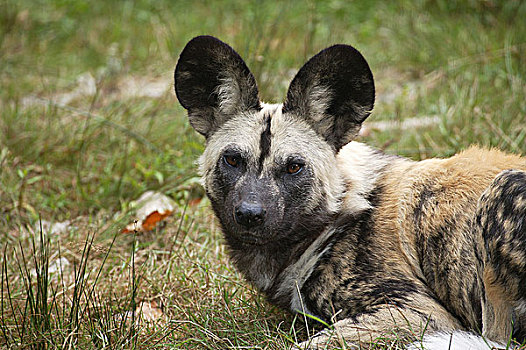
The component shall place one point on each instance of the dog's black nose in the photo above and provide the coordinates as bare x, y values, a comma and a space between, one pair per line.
249, 214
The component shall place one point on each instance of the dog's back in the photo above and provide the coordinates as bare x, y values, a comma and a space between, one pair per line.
425, 217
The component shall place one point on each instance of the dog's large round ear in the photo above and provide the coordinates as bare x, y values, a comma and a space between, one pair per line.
334, 93
213, 83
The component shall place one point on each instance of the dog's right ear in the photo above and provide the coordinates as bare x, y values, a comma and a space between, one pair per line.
213, 83
334, 93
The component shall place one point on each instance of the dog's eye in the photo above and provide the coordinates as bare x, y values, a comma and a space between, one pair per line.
231, 160
294, 168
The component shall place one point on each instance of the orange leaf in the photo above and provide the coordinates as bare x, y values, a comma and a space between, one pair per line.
152, 207
152, 219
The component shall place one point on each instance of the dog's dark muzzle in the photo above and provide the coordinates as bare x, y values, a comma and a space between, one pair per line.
249, 214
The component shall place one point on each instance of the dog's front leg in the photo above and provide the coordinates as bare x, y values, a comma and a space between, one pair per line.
388, 323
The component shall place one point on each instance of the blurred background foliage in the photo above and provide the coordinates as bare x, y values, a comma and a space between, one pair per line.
80, 129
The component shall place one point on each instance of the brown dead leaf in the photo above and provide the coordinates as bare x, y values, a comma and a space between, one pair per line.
194, 202
151, 220
152, 208
149, 311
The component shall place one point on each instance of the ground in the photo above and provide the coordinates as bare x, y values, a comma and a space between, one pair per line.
89, 122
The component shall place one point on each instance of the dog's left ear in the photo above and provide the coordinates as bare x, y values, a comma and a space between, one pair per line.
214, 84
334, 93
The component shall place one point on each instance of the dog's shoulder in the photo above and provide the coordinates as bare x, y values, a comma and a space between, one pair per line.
363, 169
467, 173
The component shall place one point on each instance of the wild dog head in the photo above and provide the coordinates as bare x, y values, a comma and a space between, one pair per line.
270, 170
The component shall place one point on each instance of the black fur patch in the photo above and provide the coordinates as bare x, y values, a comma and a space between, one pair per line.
501, 218
264, 143
426, 195
507, 188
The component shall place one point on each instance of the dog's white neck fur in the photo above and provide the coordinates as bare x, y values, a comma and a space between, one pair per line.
295, 275
360, 167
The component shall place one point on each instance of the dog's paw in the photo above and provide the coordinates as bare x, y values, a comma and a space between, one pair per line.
326, 339
319, 341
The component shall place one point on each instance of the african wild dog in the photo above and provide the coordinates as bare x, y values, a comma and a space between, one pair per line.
336, 229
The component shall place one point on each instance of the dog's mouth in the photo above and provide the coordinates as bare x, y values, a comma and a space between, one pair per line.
253, 240
249, 238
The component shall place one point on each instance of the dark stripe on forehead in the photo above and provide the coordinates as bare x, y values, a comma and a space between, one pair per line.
264, 143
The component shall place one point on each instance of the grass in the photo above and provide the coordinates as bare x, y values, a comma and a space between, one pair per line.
89, 122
